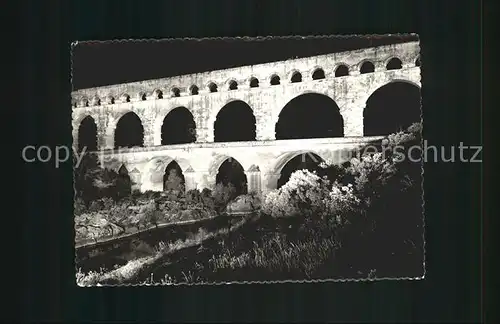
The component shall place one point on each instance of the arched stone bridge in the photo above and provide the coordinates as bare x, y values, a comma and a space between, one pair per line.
349, 79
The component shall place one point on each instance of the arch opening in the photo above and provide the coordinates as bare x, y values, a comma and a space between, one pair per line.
296, 77
367, 67
233, 85
235, 122
212, 87
254, 83
310, 115
341, 70
303, 161
125, 98
87, 135
394, 64
129, 131
231, 172
123, 183
275, 80
417, 61
178, 127
173, 179
194, 90
143, 96
318, 74
391, 108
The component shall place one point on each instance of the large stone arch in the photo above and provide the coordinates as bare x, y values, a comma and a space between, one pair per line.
392, 107
178, 126
235, 121
163, 112
310, 114
281, 169
128, 130
411, 76
87, 134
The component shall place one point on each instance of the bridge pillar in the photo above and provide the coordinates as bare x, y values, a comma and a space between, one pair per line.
108, 137
102, 138
205, 135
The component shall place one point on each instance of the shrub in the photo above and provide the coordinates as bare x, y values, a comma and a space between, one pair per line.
255, 199
153, 216
91, 182
96, 206
149, 194
389, 224
136, 194
118, 212
79, 206
107, 203
223, 194
206, 193
313, 205
370, 174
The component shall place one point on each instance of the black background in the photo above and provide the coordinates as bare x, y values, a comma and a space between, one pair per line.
450, 41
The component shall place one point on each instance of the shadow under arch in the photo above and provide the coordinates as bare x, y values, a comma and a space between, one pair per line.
231, 172
310, 115
235, 122
129, 131
178, 127
291, 162
87, 134
391, 108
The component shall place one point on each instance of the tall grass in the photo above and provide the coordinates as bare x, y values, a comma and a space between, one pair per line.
279, 255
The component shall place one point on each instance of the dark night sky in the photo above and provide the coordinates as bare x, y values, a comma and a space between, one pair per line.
104, 63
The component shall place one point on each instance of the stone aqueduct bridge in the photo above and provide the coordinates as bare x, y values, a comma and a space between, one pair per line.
262, 159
